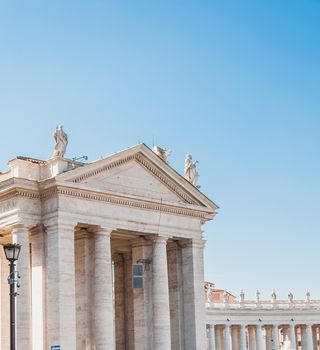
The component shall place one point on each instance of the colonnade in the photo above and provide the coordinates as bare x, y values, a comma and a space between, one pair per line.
76, 290
263, 336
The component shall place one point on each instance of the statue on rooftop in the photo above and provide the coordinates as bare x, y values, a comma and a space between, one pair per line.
290, 297
257, 296
307, 297
273, 296
242, 296
61, 139
161, 152
190, 171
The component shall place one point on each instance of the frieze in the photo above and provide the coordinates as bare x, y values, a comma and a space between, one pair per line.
125, 202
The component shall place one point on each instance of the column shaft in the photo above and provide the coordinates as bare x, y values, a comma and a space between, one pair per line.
175, 295
161, 309
103, 296
275, 337
193, 295
212, 345
293, 336
61, 297
309, 338
20, 234
83, 280
243, 343
38, 262
259, 337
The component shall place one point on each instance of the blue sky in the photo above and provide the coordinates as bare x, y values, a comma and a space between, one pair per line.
234, 83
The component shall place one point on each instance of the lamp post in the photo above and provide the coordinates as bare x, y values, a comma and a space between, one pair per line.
12, 252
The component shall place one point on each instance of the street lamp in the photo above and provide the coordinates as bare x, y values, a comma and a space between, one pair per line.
12, 252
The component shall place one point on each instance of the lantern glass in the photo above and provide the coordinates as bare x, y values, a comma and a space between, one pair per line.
12, 251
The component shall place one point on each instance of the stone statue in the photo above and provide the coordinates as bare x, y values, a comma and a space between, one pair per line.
273, 296
161, 152
241, 296
190, 171
225, 297
307, 297
258, 296
61, 139
290, 297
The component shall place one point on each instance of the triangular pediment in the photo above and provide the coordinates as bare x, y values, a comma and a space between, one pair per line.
137, 172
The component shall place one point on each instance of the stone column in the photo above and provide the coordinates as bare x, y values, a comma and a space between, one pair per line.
129, 316
38, 263
227, 337
309, 338
193, 294
83, 279
259, 337
5, 302
161, 309
61, 297
275, 336
293, 336
175, 295
20, 234
104, 331
119, 300
243, 342
212, 345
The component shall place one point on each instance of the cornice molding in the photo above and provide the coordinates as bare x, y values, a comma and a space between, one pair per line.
150, 167
101, 197
165, 179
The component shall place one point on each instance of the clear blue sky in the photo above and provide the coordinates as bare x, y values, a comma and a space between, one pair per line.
234, 83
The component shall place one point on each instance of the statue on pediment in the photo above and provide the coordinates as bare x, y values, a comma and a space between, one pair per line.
61, 139
190, 170
161, 152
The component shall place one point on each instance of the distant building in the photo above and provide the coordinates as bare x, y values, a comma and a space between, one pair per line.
261, 324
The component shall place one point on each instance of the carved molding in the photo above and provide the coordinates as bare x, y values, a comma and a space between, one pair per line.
150, 167
14, 193
165, 179
105, 168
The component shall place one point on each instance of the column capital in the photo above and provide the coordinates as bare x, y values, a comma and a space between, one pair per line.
159, 239
21, 227
102, 231
60, 225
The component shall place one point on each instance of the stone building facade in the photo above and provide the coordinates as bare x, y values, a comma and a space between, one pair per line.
85, 229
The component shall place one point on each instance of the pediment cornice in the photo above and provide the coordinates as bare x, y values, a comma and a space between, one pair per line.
159, 169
